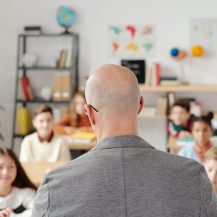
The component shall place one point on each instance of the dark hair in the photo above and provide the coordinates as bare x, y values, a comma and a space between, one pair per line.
42, 109
182, 103
205, 119
21, 180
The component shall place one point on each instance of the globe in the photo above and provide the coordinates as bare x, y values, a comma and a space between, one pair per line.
66, 16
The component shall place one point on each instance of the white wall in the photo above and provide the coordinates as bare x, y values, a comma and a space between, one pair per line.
171, 18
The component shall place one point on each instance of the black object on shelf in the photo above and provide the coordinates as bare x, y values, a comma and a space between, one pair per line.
22, 46
138, 67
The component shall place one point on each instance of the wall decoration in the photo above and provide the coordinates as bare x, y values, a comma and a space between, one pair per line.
132, 41
204, 33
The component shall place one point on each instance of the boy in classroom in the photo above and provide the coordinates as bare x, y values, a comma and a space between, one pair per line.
44, 145
179, 124
201, 132
210, 164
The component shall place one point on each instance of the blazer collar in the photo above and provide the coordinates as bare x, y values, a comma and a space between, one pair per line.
129, 141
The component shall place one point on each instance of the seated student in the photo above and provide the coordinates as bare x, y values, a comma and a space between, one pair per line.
210, 163
201, 133
180, 120
17, 192
179, 124
75, 120
44, 144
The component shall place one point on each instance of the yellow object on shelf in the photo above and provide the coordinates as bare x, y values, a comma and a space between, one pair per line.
24, 121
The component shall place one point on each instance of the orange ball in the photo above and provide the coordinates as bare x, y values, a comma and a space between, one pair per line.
182, 54
197, 51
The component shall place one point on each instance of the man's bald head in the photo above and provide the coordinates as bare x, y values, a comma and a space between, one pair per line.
113, 88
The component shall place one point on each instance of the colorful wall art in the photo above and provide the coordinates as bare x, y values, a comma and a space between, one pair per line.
132, 41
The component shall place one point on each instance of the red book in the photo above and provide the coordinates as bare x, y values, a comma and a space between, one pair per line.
24, 88
157, 67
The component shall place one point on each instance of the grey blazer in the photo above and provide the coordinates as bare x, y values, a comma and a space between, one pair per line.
124, 176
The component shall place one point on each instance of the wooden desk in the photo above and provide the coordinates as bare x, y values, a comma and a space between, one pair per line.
36, 170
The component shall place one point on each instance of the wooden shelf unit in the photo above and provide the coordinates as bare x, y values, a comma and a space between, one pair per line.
206, 88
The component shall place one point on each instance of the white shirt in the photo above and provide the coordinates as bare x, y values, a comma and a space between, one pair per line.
32, 149
18, 197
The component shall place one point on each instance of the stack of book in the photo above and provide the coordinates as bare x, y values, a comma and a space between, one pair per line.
158, 76
61, 86
65, 59
153, 75
169, 78
32, 30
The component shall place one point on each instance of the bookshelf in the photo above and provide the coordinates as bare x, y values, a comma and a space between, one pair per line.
24, 46
181, 88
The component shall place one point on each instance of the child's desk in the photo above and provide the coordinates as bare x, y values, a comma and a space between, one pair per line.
36, 170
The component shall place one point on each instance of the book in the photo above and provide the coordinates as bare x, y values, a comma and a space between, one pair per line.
32, 30
23, 88
26, 90
68, 59
82, 137
155, 74
29, 89
168, 78
170, 83
57, 87
66, 86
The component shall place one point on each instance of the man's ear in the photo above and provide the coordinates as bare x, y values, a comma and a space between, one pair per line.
141, 104
91, 115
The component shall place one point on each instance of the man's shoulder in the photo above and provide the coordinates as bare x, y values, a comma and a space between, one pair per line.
69, 169
177, 164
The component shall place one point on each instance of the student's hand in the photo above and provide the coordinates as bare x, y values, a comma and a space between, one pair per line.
5, 212
184, 134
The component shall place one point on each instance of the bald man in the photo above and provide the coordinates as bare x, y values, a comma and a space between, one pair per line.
123, 176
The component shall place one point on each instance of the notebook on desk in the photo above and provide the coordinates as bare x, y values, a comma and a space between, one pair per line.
82, 137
